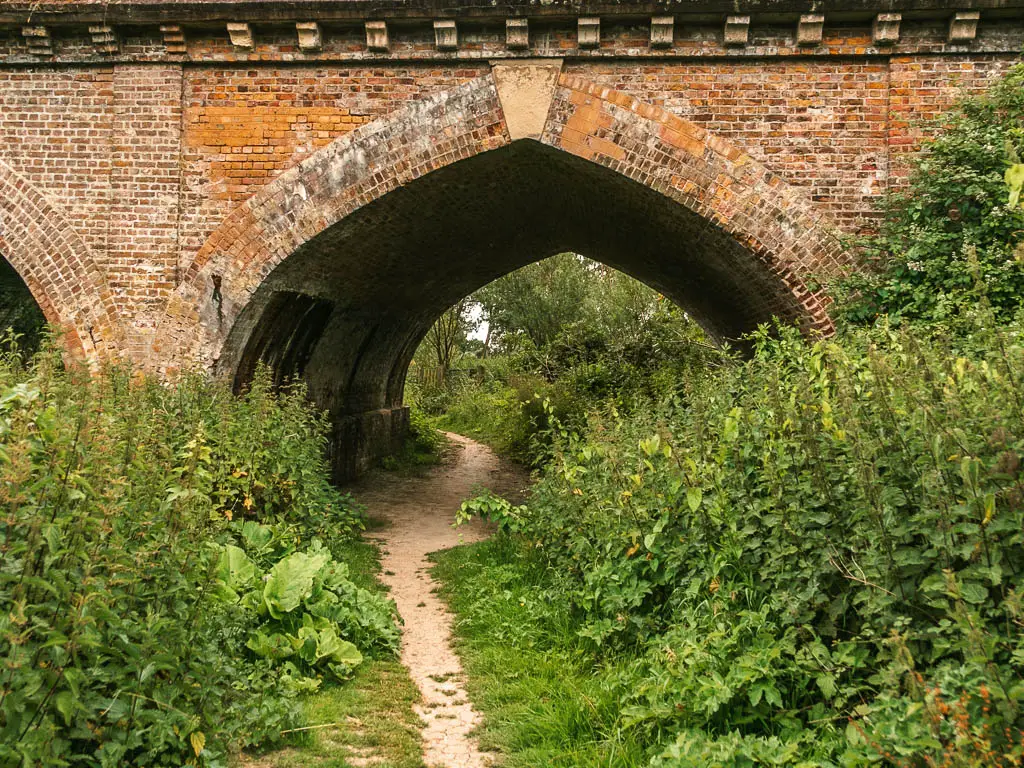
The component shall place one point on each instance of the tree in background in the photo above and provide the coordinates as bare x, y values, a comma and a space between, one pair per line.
565, 335
537, 301
447, 339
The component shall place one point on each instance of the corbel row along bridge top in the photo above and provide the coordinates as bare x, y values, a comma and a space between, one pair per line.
354, 30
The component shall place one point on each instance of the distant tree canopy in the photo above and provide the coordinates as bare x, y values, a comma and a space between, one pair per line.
568, 295
447, 339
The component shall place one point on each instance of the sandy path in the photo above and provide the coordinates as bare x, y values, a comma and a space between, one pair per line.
419, 512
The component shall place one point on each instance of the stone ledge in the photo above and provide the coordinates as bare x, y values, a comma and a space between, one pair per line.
595, 37
143, 11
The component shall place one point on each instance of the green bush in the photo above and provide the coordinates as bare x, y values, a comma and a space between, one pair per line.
126, 505
816, 555
422, 435
953, 237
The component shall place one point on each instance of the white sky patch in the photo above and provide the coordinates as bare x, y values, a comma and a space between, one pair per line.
480, 325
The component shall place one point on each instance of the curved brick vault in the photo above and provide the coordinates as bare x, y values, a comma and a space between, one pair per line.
336, 269
44, 249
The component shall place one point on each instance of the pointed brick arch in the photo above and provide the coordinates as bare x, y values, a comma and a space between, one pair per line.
54, 261
787, 239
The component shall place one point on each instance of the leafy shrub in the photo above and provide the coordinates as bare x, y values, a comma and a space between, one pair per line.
314, 618
954, 235
423, 444
806, 553
120, 497
431, 398
21, 319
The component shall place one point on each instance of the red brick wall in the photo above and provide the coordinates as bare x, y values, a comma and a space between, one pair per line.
145, 178
55, 130
245, 125
922, 88
146, 159
820, 123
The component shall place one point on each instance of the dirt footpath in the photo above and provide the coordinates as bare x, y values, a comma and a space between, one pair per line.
419, 512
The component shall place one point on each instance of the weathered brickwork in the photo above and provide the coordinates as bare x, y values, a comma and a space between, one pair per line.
145, 181
178, 173
821, 124
148, 159
55, 130
58, 269
244, 127
921, 88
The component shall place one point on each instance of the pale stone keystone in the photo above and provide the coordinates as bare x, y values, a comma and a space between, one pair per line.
525, 90
240, 34
104, 39
588, 31
517, 33
737, 30
885, 30
38, 39
963, 27
377, 35
810, 29
446, 35
310, 38
174, 38
662, 31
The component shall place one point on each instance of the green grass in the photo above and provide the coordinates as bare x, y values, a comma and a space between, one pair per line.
369, 716
424, 449
542, 694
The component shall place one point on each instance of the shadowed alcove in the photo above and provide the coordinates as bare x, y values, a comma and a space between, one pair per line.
19, 312
347, 309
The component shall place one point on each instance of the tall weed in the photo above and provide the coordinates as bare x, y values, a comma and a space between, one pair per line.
119, 497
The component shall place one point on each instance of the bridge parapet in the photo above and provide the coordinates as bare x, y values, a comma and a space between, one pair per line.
358, 30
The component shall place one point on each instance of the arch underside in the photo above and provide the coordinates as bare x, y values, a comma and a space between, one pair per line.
383, 274
336, 270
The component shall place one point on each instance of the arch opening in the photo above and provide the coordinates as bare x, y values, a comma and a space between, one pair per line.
20, 313
347, 309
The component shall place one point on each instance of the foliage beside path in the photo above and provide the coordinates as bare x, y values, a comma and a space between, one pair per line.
814, 558
369, 720
169, 568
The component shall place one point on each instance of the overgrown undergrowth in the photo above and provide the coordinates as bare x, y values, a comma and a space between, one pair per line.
166, 568
367, 720
812, 558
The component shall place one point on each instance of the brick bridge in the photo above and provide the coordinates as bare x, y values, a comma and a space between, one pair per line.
214, 183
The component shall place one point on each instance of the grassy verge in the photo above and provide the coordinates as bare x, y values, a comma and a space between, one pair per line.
544, 698
424, 447
370, 717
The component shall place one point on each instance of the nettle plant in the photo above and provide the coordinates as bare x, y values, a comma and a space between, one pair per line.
118, 498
